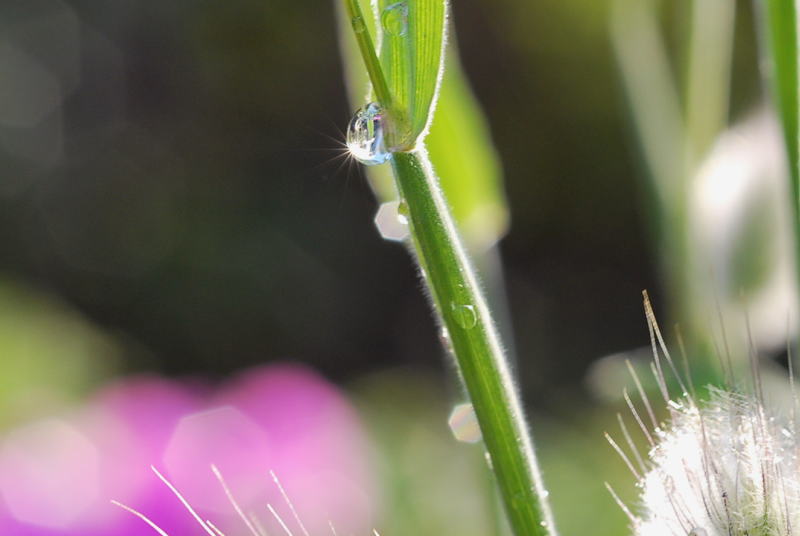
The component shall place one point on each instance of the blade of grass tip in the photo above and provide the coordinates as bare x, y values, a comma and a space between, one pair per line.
779, 43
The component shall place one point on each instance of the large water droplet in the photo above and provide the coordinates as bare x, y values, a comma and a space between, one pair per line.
464, 424
394, 19
365, 136
465, 315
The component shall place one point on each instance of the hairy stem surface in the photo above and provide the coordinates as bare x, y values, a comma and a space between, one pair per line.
475, 342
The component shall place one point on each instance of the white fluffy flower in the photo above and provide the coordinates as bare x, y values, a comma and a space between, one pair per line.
724, 468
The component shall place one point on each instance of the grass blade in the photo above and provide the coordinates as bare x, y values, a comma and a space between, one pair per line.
411, 48
781, 46
470, 175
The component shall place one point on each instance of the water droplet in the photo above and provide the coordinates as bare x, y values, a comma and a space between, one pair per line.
542, 523
698, 531
365, 136
387, 220
402, 213
394, 19
464, 424
488, 458
358, 24
465, 315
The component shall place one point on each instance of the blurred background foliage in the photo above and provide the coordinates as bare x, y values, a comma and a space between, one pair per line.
173, 200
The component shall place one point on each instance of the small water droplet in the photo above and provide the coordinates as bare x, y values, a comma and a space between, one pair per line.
542, 523
394, 19
365, 136
465, 315
402, 213
698, 531
488, 460
358, 24
464, 424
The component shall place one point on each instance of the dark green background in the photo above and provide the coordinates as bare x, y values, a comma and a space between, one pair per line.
198, 208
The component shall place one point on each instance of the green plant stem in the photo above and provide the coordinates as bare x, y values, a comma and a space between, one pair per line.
367, 49
475, 342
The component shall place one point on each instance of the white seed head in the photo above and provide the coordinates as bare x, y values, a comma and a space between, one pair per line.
726, 466
721, 468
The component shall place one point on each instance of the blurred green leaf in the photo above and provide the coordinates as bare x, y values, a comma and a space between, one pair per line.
466, 161
49, 354
753, 254
781, 46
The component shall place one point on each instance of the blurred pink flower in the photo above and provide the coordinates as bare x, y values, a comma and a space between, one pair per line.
58, 475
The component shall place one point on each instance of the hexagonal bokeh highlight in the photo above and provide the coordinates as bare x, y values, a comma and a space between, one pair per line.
464, 424
231, 441
390, 223
49, 474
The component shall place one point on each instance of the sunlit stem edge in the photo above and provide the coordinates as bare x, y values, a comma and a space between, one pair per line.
453, 285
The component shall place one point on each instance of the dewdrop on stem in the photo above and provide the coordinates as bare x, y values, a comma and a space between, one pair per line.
725, 466
366, 135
